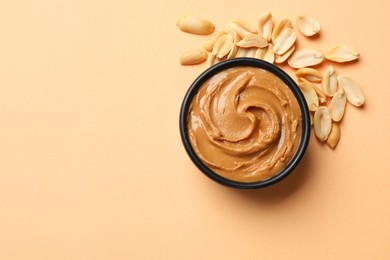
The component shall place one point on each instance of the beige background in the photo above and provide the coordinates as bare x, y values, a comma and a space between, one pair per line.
91, 162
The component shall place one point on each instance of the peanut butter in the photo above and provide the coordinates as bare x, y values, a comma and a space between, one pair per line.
245, 124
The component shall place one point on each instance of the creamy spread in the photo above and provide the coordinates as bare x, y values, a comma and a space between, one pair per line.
245, 124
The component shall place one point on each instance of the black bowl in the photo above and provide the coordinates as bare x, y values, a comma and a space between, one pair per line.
305, 134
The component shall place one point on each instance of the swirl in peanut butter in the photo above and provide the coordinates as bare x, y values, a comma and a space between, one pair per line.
245, 124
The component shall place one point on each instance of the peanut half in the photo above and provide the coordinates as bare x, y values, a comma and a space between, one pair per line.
241, 27
305, 58
195, 25
310, 95
269, 55
352, 90
192, 57
309, 74
265, 26
322, 123
253, 40
329, 81
282, 58
334, 136
337, 105
223, 45
209, 44
234, 49
320, 95
284, 41
342, 53
286, 23
307, 25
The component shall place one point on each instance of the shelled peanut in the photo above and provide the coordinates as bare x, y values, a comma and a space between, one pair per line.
326, 93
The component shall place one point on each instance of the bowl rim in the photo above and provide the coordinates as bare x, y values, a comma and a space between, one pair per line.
245, 62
